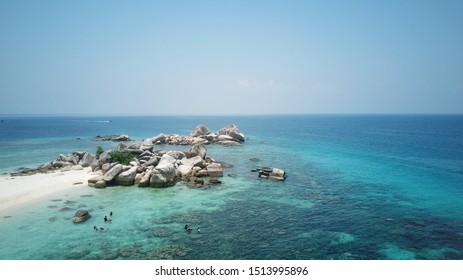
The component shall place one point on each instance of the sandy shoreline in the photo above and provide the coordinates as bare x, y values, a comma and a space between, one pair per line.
17, 192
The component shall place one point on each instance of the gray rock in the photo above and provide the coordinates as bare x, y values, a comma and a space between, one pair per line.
152, 162
145, 180
81, 216
201, 173
113, 172
176, 154
121, 146
101, 184
107, 166
166, 160
59, 164
278, 174
126, 178
157, 180
66, 168
87, 160
105, 157
122, 137
168, 171
45, 167
138, 178
271, 173
77, 167
196, 150
200, 130
187, 164
95, 179
221, 138
159, 139
215, 170
80, 154
229, 143
232, 131
115, 138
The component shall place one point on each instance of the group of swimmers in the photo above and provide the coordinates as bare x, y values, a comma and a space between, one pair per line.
105, 219
189, 230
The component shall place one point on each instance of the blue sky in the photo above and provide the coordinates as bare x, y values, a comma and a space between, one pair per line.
230, 57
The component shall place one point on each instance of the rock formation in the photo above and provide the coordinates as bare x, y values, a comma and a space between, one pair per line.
114, 138
271, 173
153, 167
81, 216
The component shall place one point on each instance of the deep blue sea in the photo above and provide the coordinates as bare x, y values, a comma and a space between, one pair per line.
359, 187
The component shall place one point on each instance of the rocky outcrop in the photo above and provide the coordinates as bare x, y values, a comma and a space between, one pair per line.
232, 131
150, 166
81, 216
227, 136
200, 130
215, 170
126, 178
271, 173
114, 138
156, 168
63, 163
113, 172
196, 150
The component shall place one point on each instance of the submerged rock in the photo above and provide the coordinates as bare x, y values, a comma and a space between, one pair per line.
81, 216
271, 173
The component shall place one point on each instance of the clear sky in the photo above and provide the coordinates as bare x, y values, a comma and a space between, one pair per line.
230, 57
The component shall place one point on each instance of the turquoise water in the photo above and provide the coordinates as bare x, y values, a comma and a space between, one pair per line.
359, 187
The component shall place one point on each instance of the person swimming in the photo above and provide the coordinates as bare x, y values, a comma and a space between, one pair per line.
99, 228
106, 219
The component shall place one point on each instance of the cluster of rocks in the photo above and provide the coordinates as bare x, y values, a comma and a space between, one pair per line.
74, 161
227, 136
114, 138
158, 169
271, 173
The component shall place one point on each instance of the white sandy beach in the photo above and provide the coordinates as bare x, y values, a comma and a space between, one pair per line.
16, 192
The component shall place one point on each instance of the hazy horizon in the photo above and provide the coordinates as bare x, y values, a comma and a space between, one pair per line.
210, 58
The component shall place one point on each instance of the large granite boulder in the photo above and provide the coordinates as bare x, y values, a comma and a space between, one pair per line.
113, 172
159, 139
145, 180
81, 216
176, 154
168, 171
86, 160
126, 178
200, 130
232, 131
215, 170
166, 160
196, 150
187, 164
157, 180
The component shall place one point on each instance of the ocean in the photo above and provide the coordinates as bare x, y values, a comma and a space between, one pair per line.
358, 187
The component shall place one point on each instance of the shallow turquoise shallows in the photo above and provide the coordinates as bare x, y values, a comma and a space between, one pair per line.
359, 187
